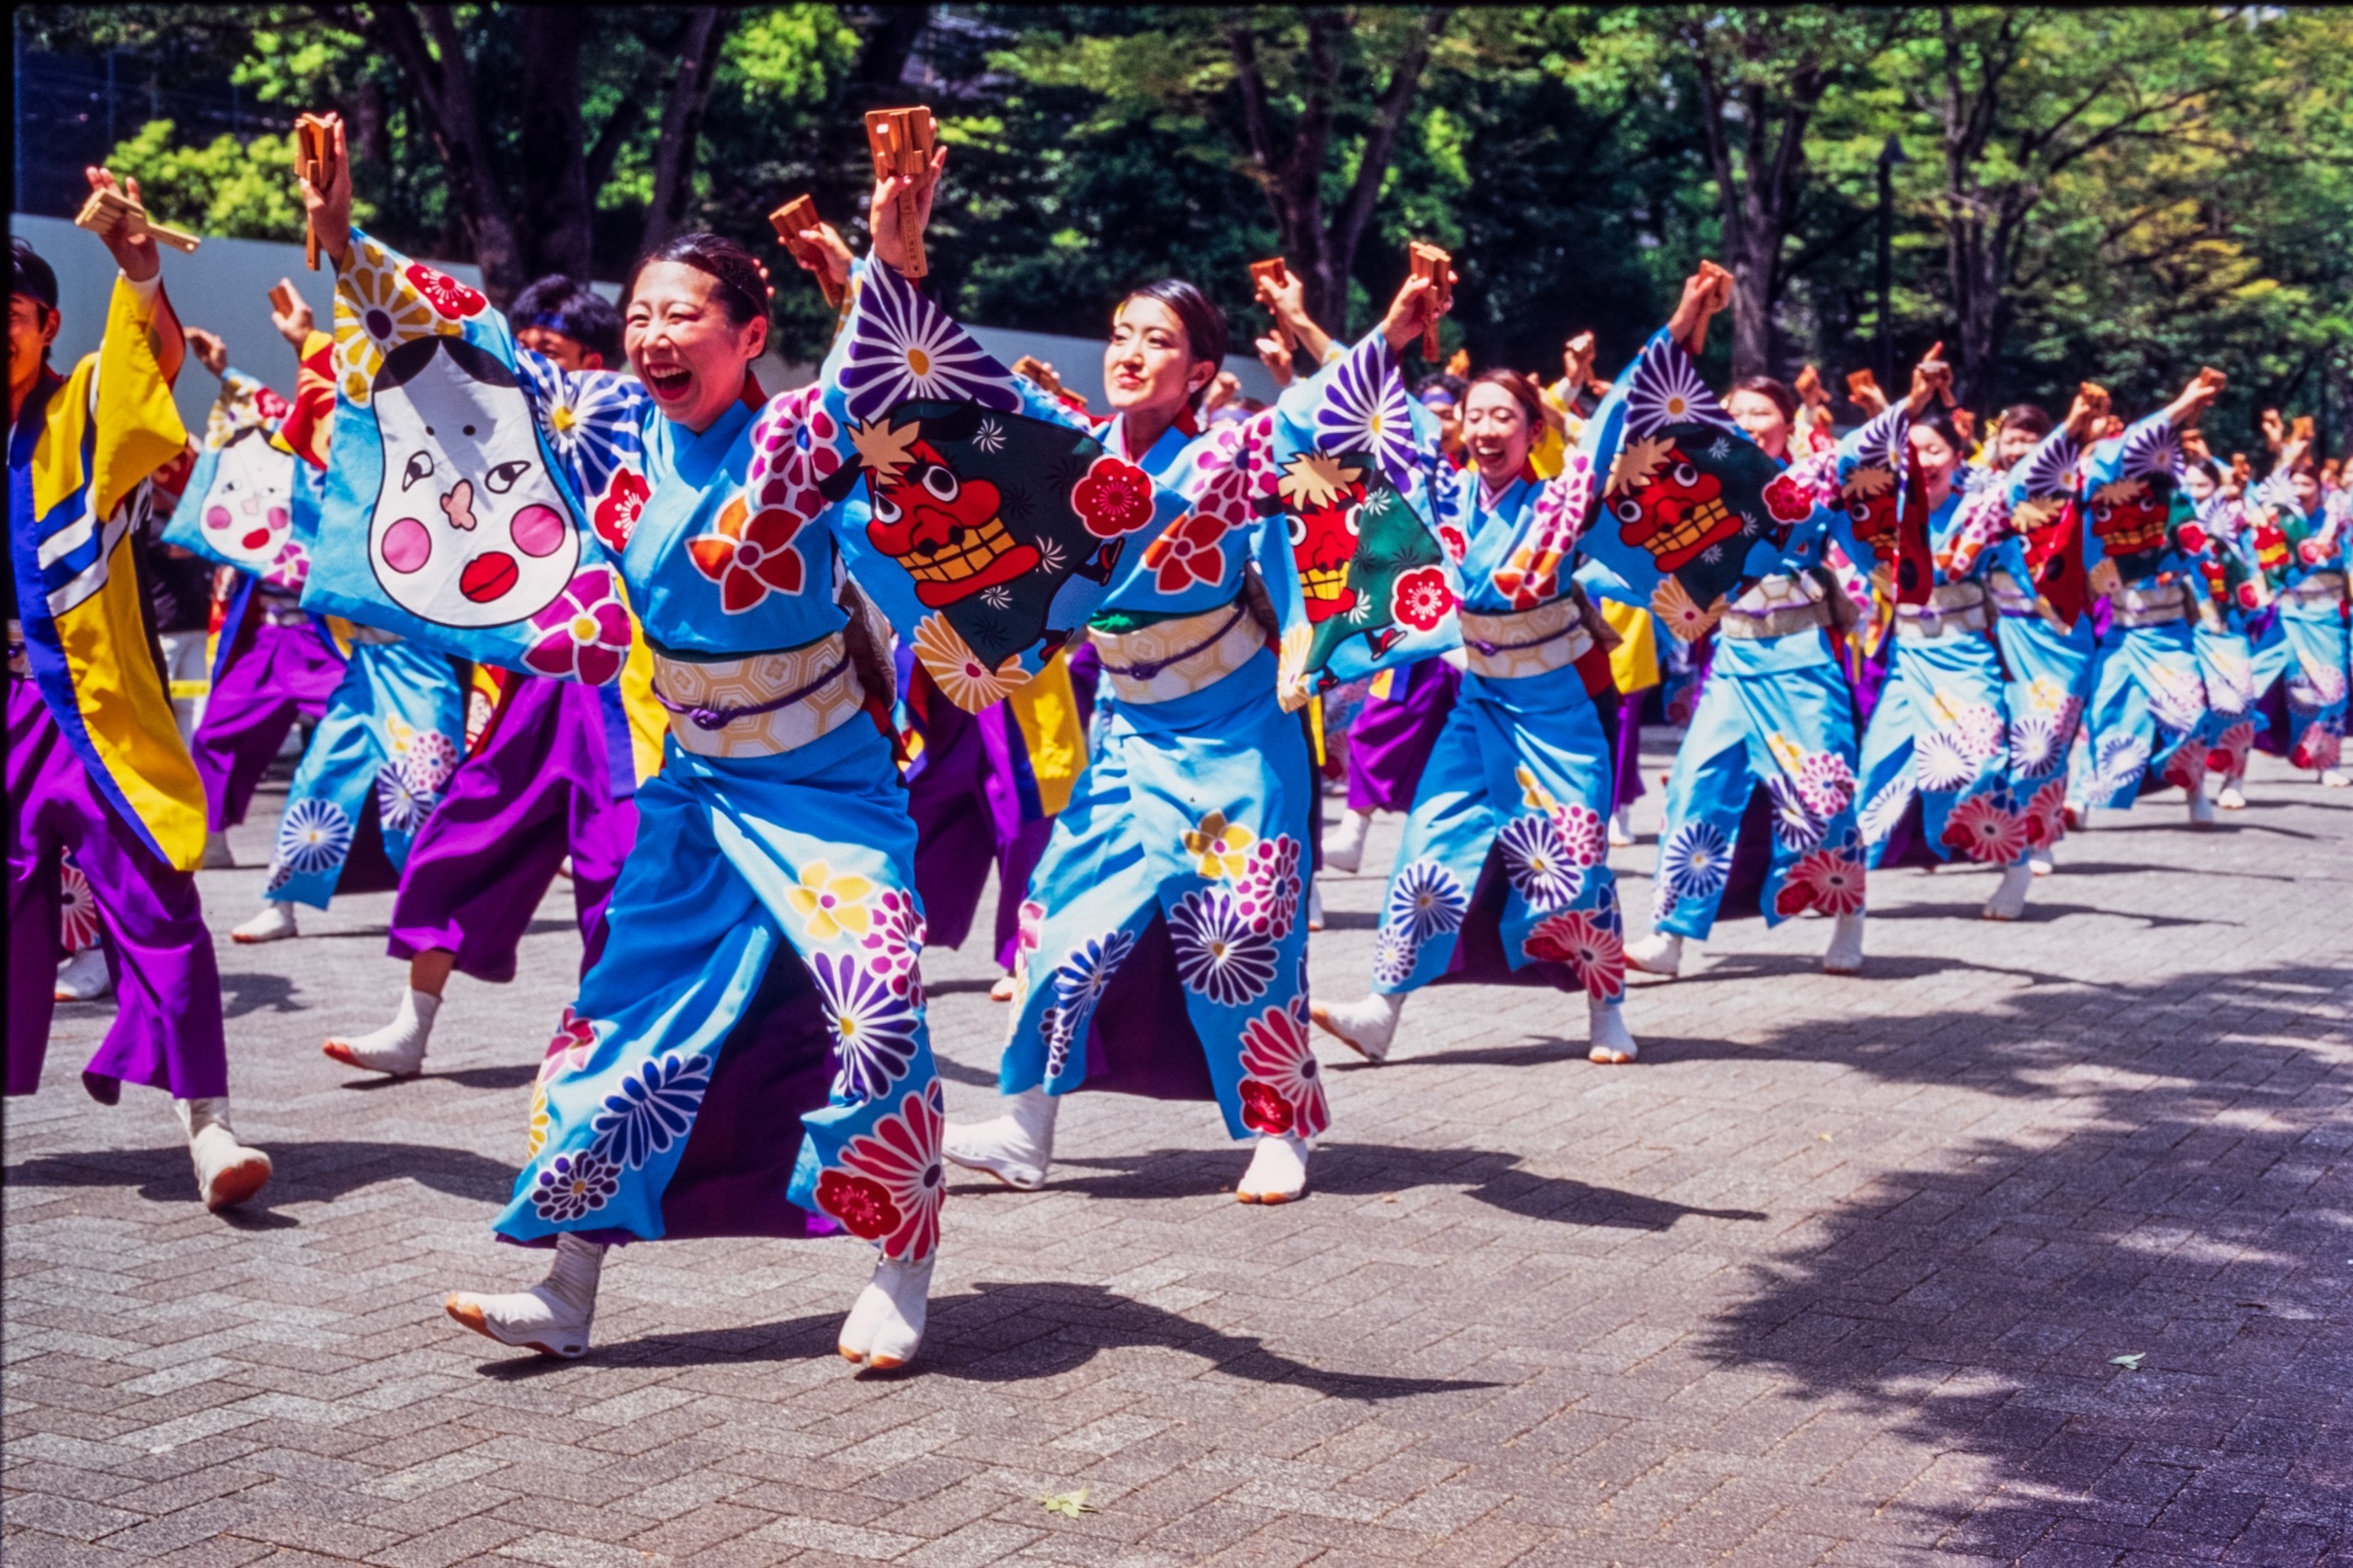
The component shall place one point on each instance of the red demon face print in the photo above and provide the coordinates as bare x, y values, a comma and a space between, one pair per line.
1869, 497
2129, 517
1322, 495
1678, 514
944, 530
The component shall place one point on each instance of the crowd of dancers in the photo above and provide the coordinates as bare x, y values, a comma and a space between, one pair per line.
778, 681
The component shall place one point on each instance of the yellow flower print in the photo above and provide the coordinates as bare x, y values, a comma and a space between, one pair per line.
2045, 694
967, 682
538, 1136
830, 907
377, 310
1533, 795
1222, 847
1787, 752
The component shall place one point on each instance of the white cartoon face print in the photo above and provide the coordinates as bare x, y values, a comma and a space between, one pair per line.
469, 528
248, 509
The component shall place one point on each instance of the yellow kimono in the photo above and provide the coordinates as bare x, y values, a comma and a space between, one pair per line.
95, 439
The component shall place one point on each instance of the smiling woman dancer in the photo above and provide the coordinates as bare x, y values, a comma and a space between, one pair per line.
1521, 773
1168, 953
702, 1037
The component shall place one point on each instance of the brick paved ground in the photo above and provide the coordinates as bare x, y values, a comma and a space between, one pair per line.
1835, 1274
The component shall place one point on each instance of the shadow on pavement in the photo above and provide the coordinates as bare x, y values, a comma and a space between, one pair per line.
1375, 1170
301, 1173
2188, 1199
1012, 1332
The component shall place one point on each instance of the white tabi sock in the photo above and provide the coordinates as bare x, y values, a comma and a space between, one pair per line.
885, 1328
1278, 1172
84, 977
1016, 1148
1622, 828
552, 1317
1366, 1026
1661, 952
2010, 896
1845, 954
1344, 851
217, 857
398, 1048
2042, 860
2201, 810
1612, 1043
2231, 797
2334, 778
274, 924
226, 1171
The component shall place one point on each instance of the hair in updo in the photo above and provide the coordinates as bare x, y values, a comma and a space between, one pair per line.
742, 292
1941, 422
2030, 417
1776, 392
1521, 387
1206, 335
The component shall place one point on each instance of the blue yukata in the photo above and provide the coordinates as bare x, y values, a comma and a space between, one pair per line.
2235, 613
1163, 950
2304, 557
1938, 740
760, 963
1504, 866
1696, 514
2037, 585
2147, 722
387, 744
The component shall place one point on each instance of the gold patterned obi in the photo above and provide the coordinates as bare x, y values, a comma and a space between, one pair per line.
2160, 605
1170, 659
761, 704
1527, 642
1777, 607
1953, 610
2322, 589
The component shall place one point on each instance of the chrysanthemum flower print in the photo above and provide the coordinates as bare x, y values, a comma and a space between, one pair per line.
377, 310
888, 1186
1218, 954
1830, 880
1426, 900
652, 1107
950, 660
1282, 1084
872, 1023
1595, 954
1987, 830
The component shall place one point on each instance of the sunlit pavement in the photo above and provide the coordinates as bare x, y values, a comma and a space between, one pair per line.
1842, 1270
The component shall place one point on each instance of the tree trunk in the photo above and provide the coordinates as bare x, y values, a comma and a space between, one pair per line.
674, 151
441, 81
555, 215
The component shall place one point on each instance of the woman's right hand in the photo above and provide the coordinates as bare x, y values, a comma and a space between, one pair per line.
1277, 358
210, 351
1705, 292
832, 259
330, 210
2085, 414
883, 211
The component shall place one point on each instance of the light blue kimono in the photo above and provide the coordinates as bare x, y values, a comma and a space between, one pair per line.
1939, 735
2045, 637
1521, 776
761, 963
1180, 861
2148, 718
2308, 584
1686, 501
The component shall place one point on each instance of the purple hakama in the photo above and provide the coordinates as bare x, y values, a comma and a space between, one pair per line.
278, 667
167, 1033
1390, 740
552, 776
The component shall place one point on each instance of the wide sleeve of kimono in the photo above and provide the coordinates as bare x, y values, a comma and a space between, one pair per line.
1682, 505
78, 467
2127, 503
454, 512
1863, 486
981, 515
1347, 546
238, 506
